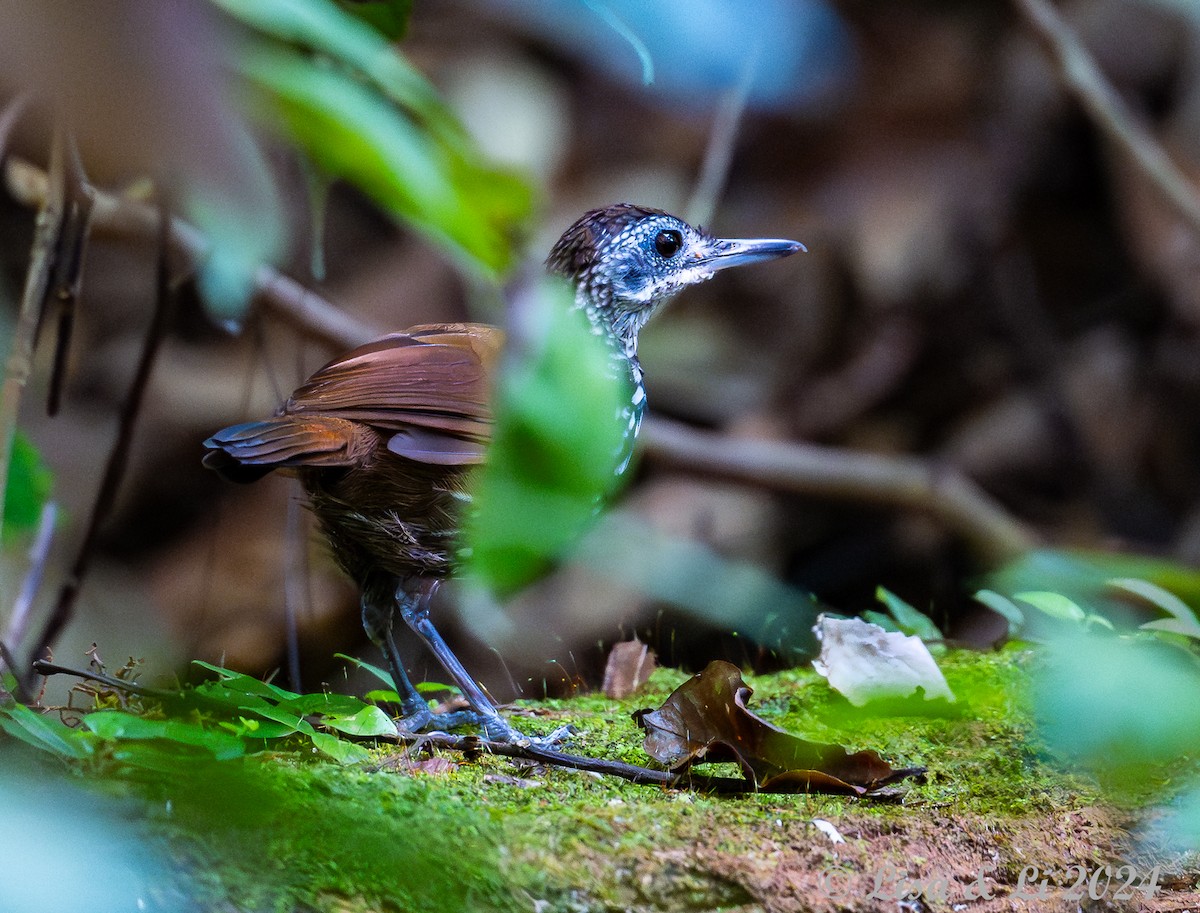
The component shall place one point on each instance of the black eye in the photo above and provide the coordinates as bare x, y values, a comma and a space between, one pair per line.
668, 242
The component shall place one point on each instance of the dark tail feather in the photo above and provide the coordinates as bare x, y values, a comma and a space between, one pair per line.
247, 452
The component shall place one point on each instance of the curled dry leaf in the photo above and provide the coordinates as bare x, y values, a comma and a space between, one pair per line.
630, 664
705, 719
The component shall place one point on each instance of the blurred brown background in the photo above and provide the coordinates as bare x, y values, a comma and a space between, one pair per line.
987, 285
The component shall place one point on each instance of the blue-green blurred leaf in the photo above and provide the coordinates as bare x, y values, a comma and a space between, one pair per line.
1119, 705
1182, 621
28, 487
556, 443
1084, 578
1055, 605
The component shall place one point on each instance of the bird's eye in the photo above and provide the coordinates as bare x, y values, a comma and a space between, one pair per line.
668, 242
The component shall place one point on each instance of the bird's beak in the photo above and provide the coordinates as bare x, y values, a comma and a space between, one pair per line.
726, 252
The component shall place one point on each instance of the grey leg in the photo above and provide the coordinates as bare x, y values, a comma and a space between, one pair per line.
377, 621
412, 599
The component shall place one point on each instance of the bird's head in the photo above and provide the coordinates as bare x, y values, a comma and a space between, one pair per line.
627, 261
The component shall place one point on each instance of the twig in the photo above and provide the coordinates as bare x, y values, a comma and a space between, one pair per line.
1082, 77
810, 469
39, 554
279, 294
905, 482
46, 237
68, 271
118, 457
722, 138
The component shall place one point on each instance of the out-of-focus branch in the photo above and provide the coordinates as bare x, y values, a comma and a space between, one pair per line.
830, 472
51, 206
903, 482
277, 293
1082, 78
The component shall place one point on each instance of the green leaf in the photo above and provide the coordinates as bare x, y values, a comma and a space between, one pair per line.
368, 667
388, 17
1004, 607
887, 622
240, 683
28, 486
45, 733
116, 725
910, 620
368, 721
556, 444
1182, 621
363, 113
341, 751
1056, 605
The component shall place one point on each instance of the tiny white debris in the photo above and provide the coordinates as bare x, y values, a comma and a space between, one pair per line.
828, 830
863, 661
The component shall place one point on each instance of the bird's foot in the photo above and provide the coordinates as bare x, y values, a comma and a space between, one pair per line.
499, 730
493, 727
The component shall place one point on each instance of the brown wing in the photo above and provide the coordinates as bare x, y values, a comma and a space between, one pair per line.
431, 386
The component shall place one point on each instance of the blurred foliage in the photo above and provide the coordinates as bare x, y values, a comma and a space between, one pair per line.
905, 618
559, 436
266, 833
388, 17
227, 718
329, 79
27, 489
1087, 578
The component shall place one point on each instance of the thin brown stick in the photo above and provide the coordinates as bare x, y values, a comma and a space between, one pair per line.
118, 457
46, 237
907, 482
1083, 79
809, 469
279, 294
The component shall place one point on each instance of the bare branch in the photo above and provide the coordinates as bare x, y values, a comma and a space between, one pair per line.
905, 482
46, 240
118, 457
896, 481
1082, 78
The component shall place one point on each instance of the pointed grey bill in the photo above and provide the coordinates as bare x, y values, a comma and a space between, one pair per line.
726, 252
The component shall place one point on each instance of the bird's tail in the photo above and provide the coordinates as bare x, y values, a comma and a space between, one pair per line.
247, 452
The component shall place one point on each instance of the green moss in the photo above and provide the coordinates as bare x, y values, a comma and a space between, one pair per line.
281, 833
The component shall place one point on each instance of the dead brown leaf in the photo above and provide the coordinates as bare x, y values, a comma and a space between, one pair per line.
705, 719
630, 664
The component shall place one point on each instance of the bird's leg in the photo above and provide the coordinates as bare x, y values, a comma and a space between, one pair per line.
377, 618
412, 598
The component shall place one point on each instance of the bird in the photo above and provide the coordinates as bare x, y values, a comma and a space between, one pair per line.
384, 439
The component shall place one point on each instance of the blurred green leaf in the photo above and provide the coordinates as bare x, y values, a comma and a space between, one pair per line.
1055, 605
1119, 705
1084, 577
388, 17
362, 113
45, 733
910, 620
116, 724
29, 485
1004, 607
1182, 621
556, 444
